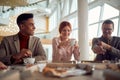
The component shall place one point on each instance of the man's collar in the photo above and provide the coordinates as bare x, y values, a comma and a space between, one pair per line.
110, 38
21, 36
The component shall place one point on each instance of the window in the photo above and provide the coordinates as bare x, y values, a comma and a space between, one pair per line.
115, 27
74, 23
92, 31
65, 9
89, 1
53, 21
40, 21
93, 15
109, 12
73, 6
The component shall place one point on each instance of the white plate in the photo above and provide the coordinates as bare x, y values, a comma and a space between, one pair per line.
73, 72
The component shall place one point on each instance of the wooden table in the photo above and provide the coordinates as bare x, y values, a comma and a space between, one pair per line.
33, 73
40, 76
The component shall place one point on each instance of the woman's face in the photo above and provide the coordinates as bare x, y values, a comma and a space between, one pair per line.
65, 33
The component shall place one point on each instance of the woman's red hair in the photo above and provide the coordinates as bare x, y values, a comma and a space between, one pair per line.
64, 24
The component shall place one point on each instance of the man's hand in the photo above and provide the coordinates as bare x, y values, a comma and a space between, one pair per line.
23, 53
105, 46
98, 49
2, 66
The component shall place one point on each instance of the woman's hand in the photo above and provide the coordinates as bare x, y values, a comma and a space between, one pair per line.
76, 45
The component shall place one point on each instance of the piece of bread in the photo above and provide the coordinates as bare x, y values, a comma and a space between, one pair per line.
47, 71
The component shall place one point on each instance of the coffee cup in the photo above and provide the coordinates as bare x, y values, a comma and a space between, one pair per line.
72, 42
29, 60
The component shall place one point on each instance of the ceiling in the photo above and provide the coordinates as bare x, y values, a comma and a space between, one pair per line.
114, 3
10, 8
38, 7
20, 3
13, 2
41, 7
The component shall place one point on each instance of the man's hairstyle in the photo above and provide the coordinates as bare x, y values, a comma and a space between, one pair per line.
108, 22
23, 17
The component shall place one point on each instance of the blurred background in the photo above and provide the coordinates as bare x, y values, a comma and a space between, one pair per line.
49, 13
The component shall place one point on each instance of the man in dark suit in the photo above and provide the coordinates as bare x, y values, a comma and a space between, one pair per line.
106, 47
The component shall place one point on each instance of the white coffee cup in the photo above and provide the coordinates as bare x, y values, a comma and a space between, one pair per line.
42, 64
72, 42
29, 60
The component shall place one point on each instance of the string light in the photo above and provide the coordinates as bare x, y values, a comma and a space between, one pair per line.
9, 9
29, 5
11, 29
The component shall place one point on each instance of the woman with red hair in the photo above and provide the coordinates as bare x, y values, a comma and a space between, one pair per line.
63, 46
